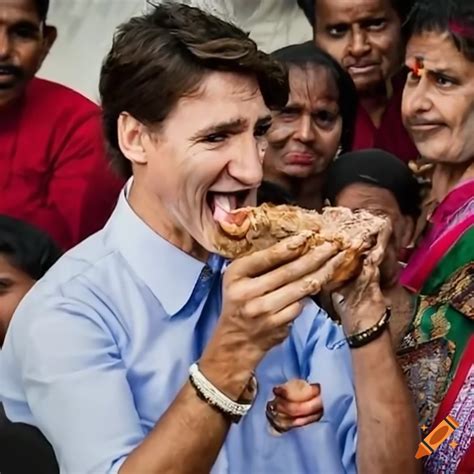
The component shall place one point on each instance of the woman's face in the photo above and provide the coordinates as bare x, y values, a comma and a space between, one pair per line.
438, 100
305, 135
364, 36
14, 284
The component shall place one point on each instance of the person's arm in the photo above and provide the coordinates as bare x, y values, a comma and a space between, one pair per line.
257, 308
387, 423
187, 439
403, 308
80, 191
77, 387
78, 392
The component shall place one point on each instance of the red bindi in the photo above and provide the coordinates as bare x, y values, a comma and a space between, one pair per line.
418, 68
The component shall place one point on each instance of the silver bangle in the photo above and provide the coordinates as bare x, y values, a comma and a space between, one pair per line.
214, 397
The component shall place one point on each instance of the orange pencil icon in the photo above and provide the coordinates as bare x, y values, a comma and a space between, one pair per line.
434, 439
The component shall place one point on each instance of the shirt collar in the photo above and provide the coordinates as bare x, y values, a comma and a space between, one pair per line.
170, 273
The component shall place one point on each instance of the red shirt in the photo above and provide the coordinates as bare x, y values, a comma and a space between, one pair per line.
391, 136
54, 170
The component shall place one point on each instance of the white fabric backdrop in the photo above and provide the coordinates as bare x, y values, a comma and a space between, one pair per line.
86, 27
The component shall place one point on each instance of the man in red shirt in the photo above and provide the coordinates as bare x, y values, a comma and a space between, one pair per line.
54, 171
365, 37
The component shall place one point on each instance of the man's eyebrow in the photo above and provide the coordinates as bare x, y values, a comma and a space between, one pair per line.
233, 126
27, 24
336, 24
370, 16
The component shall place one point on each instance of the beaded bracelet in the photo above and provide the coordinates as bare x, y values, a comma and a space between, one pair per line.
207, 392
364, 337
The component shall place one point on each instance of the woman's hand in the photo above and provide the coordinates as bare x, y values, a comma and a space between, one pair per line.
297, 403
361, 304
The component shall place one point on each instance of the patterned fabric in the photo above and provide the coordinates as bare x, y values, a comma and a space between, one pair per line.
426, 369
435, 354
458, 291
447, 458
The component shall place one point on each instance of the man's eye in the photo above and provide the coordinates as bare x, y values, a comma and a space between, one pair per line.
261, 130
376, 24
337, 31
25, 32
216, 137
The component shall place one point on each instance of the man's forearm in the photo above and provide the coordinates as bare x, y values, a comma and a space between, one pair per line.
402, 304
187, 439
189, 436
387, 421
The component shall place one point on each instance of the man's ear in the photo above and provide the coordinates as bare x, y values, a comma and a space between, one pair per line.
132, 138
408, 231
50, 34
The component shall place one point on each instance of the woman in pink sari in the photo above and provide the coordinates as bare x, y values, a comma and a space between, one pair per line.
438, 110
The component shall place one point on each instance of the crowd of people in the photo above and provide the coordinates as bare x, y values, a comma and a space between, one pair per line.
129, 345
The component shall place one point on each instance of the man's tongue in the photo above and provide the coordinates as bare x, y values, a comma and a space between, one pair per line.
223, 205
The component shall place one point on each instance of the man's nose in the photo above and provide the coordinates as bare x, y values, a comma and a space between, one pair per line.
359, 44
304, 131
5, 45
247, 166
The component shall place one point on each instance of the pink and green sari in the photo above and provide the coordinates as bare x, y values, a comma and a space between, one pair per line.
437, 355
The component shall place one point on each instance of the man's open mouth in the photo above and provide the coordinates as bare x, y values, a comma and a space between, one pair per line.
223, 203
223, 206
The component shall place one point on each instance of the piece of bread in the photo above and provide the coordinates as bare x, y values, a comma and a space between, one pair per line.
250, 229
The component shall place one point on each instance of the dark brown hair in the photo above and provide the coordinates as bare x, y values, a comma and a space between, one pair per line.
402, 7
42, 6
455, 17
160, 57
306, 55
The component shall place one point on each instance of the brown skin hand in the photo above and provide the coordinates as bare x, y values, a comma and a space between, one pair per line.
387, 421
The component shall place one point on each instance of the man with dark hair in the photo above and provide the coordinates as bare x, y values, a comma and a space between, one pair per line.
54, 169
138, 351
365, 37
43, 8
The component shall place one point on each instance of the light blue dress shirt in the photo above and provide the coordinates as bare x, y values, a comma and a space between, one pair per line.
101, 346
